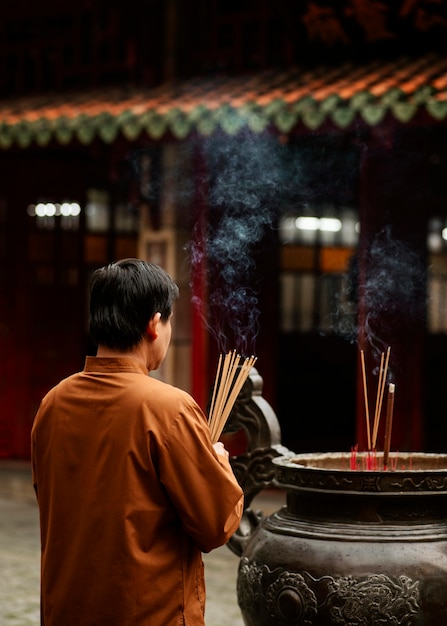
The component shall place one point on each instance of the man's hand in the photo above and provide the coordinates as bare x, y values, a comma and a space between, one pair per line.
220, 449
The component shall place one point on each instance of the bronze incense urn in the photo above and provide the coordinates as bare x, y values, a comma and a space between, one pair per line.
352, 547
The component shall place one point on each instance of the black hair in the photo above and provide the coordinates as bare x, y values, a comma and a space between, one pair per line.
124, 296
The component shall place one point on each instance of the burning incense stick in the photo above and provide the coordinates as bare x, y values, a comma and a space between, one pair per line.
376, 412
224, 377
384, 379
231, 374
380, 391
365, 392
388, 424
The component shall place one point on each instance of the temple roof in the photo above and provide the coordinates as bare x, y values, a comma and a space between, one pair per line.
279, 99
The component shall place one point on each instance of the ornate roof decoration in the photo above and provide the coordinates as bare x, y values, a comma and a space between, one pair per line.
277, 99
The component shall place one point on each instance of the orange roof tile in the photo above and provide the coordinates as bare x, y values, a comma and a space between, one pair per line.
278, 98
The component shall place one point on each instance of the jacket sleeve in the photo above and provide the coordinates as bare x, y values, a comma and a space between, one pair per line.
200, 483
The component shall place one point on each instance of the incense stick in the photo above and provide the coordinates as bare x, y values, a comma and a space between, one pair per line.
376, 412
230, 377
388, 424
385, 370
223, 382
380, 391
365, 392
219, 363
241, 378
231, 390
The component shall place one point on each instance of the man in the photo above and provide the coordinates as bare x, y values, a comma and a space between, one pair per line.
129, 486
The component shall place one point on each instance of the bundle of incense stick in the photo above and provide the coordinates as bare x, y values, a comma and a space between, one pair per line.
372, 437
232, 372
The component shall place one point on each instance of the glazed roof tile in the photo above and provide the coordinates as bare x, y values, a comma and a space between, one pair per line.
282, 99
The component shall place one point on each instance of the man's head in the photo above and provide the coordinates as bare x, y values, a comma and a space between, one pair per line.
124, 297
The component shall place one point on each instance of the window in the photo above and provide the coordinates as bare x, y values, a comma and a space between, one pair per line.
437, 275
317, 245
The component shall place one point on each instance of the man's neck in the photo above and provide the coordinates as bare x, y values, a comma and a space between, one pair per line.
135, 353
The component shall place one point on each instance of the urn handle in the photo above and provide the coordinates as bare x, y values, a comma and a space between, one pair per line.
253, 468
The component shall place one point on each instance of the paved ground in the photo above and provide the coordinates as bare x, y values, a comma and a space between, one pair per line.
20, 554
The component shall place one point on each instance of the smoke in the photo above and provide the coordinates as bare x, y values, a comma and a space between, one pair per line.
249, 182
396, 277
395, 288
394, 292
248, 179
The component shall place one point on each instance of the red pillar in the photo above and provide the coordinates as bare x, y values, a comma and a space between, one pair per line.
201, 379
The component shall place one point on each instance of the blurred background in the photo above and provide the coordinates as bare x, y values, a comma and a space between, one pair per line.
285, 161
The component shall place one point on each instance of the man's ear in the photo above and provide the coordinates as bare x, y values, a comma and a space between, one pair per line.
152, 326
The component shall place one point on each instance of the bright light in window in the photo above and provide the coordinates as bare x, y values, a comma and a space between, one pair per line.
330, 224
307, 223
41, 209
327, 224
444, 233
50, 209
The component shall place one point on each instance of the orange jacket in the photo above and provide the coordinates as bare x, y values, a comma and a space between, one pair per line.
130, 492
